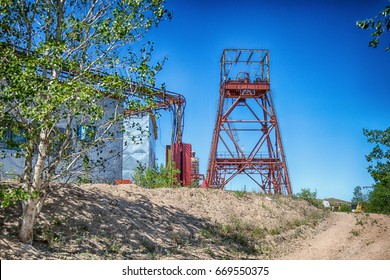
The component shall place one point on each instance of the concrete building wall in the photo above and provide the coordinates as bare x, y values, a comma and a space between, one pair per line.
139, 145
10, 166
112, 151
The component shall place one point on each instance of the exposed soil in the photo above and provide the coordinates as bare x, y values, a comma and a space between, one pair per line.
128, 222
348, 236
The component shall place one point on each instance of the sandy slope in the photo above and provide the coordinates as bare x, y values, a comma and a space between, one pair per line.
129, 222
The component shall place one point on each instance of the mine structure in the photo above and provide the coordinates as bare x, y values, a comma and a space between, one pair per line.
246, 138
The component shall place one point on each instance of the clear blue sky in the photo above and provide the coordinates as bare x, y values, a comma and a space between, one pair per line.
327, 83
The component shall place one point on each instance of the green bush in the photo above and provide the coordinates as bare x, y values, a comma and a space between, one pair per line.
345, 208
156, 177
309, 196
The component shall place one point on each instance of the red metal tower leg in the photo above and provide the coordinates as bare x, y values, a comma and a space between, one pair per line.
246, 138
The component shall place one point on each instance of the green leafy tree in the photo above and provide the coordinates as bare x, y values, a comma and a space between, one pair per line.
379, 25
379, 168
74, 65
379, 157
358, 195
307, 194
379, 200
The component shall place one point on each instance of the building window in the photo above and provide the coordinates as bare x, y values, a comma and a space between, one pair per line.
86, 133
11, 139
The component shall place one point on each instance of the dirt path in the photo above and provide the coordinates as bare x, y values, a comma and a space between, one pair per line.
348, 236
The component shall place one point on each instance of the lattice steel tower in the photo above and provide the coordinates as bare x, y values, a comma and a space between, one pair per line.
246, 138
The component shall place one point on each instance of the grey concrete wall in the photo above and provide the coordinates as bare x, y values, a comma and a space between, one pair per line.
112, 151
138, 146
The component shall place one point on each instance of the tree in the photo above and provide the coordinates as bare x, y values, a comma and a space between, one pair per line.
379, 169
307, 194
67, 70
379, 24
380, 200
379, 157
358, 195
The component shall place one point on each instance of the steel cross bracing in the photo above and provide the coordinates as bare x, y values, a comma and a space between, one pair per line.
246, 138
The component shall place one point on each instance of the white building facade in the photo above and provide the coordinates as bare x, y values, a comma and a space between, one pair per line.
125, 148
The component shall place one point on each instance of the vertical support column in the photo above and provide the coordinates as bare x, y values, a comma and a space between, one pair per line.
181, 156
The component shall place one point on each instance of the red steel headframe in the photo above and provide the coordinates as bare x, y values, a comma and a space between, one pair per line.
246, 138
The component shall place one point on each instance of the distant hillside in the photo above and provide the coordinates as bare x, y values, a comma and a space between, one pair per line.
335, 201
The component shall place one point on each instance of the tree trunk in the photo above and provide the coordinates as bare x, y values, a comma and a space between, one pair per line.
30, 213
32, 206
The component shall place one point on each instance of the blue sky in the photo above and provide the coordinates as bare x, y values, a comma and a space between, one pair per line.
326, 82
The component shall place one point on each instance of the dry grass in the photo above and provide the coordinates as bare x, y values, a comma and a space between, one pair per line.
129, 222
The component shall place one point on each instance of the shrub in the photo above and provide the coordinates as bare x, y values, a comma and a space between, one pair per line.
345, 207
156, 177
309, 196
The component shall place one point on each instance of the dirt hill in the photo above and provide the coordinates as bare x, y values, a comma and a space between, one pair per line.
129, 222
